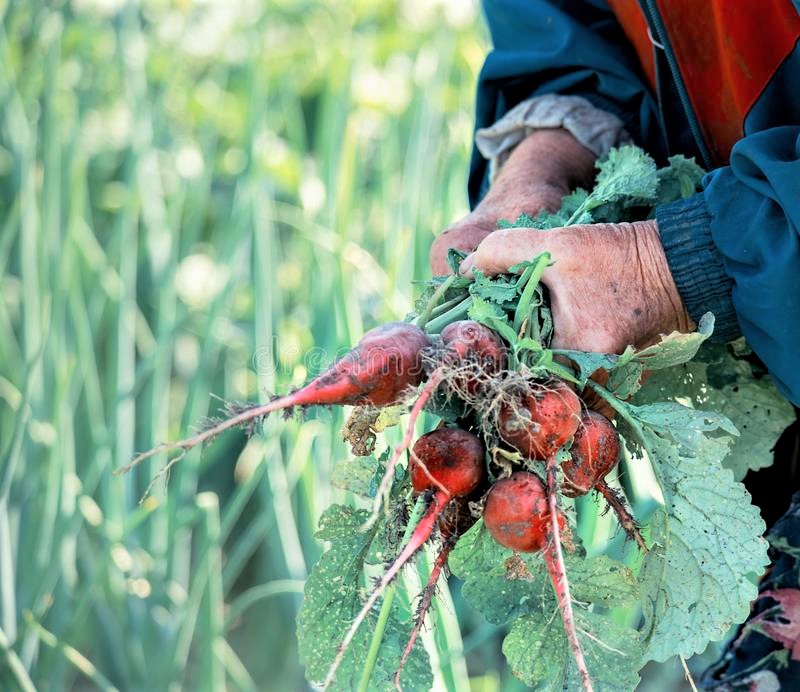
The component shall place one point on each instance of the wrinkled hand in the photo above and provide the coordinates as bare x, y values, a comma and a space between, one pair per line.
467, 233
609, 286
543, 168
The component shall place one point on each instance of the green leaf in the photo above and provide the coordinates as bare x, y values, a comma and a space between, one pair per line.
573, 201
496, 582
332, 599
546, 220
357, 475
625, 381
602, 581
626, 172
696, 580
454, 259
493, 317
732, 387
522, 221
502, 289
589, 363
683, 423
679, 180
626, 370
506, 586
627, 178
676, 348
625, 376
538, 652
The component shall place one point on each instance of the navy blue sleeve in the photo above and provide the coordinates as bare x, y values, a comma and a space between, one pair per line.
734, 249
573, 47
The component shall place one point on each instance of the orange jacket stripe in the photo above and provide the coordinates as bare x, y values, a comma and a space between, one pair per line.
726, 50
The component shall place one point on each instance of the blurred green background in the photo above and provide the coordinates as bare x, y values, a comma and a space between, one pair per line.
193, 195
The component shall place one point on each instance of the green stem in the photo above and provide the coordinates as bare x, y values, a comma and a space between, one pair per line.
388, 600
438, 294
546, 362
620, 407
444, 307
524, 305
588, 204
459, 312
377, 638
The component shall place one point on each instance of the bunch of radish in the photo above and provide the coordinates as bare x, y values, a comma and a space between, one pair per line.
531, 419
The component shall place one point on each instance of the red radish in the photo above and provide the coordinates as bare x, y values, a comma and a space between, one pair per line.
384, 365
454, 521
465, 342
542, 422
595, 451
521, 515
437, 462
465, 472
516, 513
469, 342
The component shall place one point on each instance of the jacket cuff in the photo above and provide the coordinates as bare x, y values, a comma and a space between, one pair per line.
596, 129
696, 264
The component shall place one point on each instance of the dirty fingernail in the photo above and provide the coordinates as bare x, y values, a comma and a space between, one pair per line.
465, 268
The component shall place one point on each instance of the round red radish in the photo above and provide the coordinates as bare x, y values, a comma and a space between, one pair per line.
516, 512
542, 422
385, 363
469, 341
595, 451
449, 460
453, 467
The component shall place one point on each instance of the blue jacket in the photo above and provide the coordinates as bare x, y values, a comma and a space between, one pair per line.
733, 249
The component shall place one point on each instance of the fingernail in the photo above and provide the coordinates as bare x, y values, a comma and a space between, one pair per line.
465, 268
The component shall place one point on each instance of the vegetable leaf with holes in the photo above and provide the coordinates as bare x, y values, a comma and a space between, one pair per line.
333, 595
506, 586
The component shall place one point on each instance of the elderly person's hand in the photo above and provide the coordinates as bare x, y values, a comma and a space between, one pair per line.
609, 286
544, 167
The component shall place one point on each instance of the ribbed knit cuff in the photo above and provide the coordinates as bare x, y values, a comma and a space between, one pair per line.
696, 264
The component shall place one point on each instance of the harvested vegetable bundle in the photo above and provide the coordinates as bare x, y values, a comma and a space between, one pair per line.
498, 487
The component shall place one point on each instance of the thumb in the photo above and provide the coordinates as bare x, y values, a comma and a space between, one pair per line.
507, 247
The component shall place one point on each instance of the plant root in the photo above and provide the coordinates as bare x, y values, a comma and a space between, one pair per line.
554, 559
625, 518
421, 534
425, 601
238, 416
385, 487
